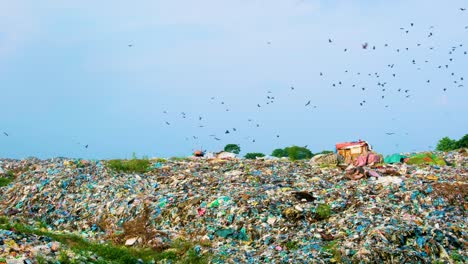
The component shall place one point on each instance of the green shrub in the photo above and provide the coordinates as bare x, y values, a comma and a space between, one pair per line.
133, 165
254, 155
292, 245
279, 153
298, 153
323, 211
446, 144
7, 178
463, 142
293, 152
233, 148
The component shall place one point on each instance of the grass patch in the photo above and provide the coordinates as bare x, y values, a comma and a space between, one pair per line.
332, 248
180, 251
7, 178
323, 211
292, 245
133, 165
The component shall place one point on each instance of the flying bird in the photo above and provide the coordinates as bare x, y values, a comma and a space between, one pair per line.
217, 139
6, 134
227, 132
167, 123
390, 133
308, 103
462, 8
330, 41
86, 146
364, 46
130, 45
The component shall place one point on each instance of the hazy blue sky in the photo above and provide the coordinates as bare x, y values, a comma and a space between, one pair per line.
68, 77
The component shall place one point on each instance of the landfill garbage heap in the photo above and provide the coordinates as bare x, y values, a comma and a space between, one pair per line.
253, 211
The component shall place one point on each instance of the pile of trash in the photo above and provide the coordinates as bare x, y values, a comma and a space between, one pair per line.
254, 211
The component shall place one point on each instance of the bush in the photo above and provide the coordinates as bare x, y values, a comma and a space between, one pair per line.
279, 153
463, 142
6, 179
254, 155
323, 211
446, 144
293, 152
298, 153
233, 148
133, 165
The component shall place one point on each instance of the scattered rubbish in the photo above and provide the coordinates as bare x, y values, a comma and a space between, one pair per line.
254, 211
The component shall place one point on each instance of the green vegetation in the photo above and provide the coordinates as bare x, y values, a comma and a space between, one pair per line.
332, 248
279, 153
233, 148
179, 251
292, 245
7, 178
448, 144
254, 155
323, 211
293, 153
133, 165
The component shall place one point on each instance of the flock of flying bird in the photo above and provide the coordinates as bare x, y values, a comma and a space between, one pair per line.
382, 85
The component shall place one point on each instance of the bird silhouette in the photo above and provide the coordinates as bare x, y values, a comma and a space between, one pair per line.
6, 134
462, 8
167, 123
330, 41
308, 103
86, 146
364, 46
390, 133
130, 45
227, 132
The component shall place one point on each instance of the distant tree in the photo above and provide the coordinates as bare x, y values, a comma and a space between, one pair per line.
446, 144
254, 155
298, 153
463, 142
279, 153
233, 148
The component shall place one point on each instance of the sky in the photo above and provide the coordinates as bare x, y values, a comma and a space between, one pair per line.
110, 74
